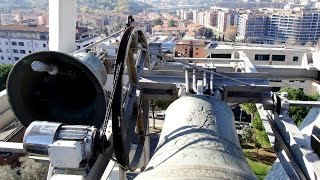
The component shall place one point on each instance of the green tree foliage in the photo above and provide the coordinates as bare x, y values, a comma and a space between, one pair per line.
298, 113
249, 108
138, 7
157, 22
260, 134
209, 33
122, 5
172, 23
257, 122
258, 146
4, 72
247, 134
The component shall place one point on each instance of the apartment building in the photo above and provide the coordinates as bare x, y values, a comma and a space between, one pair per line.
211, 19
227, 18
301, 26
16, 41
252, 25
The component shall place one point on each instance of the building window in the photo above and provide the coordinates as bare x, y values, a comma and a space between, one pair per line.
0, 50
44, 45
13, 43
16, 58
262, 57
295, 58
221, 56
9, 58
2, 58
30, 52
15, 50
22, 51
278, 57
78, 47
197, 53
6, 43
21, 44
197, 48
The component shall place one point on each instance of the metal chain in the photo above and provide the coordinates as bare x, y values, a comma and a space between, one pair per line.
103, 128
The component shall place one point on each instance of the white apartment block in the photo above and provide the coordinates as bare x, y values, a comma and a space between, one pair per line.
16, 41
227, 18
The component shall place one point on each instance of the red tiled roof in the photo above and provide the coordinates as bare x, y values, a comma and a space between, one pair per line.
17, 27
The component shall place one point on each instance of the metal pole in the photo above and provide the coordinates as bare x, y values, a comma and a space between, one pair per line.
146, 152
154, 121
240, 120
211, 84
187, 80
205, 85
194, 83
122, 174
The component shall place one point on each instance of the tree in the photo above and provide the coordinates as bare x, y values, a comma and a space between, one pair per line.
172, 23
298, 113
291, 41
4, 72
122, 5
157, 21
247, 134
209, 33
257, 122
231, 33
258, 146
249, 108
105, 31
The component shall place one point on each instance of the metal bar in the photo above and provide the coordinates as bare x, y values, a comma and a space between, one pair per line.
97, 42
282, 144
303, 155
211, 72
304, 103
108, 170
187, 80
11, 147
207, 59
98, 169
145, 108
194, 81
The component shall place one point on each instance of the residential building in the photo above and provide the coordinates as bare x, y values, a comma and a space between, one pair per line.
163, 30
167, 42
191, 48
187, 15
16, 41
227, 18
294, 26
302, 26
260, 54
211, 19
252, 25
